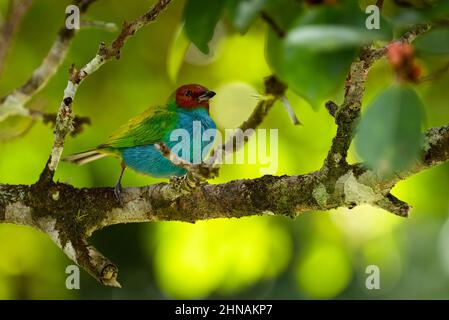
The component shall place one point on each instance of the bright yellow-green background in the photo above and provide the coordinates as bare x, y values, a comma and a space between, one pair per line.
318, 255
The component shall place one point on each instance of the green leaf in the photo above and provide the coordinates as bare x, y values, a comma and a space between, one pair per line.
176, 53
389, 135
283, 12
309, 73
244, 12
201, 17
434, 41
424, 12
315, 55
329, 37
438, 10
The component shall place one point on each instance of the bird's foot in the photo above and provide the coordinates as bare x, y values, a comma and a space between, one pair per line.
118, 190
187, 183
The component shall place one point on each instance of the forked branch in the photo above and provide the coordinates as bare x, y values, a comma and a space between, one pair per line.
70, 215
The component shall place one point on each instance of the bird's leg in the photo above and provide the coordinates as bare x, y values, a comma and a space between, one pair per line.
118, 186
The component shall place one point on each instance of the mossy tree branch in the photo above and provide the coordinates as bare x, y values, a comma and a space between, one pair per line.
70, 215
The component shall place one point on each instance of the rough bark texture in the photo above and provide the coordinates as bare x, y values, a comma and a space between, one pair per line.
70, 215
14, 103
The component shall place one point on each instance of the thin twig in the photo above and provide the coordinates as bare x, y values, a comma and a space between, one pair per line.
380, 4
16, 11
105, 53
347, 114
5, 137
435, 74
103, 25
274, 90
273, 24
291, 113
14, 103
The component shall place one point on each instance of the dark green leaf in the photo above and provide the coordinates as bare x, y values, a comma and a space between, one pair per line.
315, 55
389, 135
424, 12
438, 10
176, 53
201, 17
309, 73
244, 12
283, 12
434, 41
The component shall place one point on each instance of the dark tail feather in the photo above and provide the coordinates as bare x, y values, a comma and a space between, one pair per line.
85, 157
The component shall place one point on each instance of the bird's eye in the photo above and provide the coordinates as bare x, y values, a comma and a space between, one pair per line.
189, 93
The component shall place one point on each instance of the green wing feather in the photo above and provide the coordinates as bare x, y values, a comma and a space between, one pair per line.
149, 127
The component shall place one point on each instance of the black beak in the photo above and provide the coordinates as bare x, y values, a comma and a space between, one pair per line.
206, 96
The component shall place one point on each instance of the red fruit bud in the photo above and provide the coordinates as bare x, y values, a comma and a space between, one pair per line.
402, 59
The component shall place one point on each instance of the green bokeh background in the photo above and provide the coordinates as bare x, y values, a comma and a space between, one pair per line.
318, 255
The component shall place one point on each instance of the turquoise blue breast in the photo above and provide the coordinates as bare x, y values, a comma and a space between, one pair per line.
189, 142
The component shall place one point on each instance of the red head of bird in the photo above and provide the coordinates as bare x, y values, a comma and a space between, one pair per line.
191, 96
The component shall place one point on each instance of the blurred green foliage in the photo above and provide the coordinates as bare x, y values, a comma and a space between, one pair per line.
318, 255
325, 39
389, 136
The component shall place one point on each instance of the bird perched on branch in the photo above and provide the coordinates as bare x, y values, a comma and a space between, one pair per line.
135, 142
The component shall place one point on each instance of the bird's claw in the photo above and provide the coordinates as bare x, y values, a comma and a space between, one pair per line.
186, 183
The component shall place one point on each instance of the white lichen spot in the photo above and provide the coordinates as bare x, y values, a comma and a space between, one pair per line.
337, 157
56, 153
371, 179
70, 90
94, 64
48, 225
55, 196
69, 250
18, 213
320, 195
356, 192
